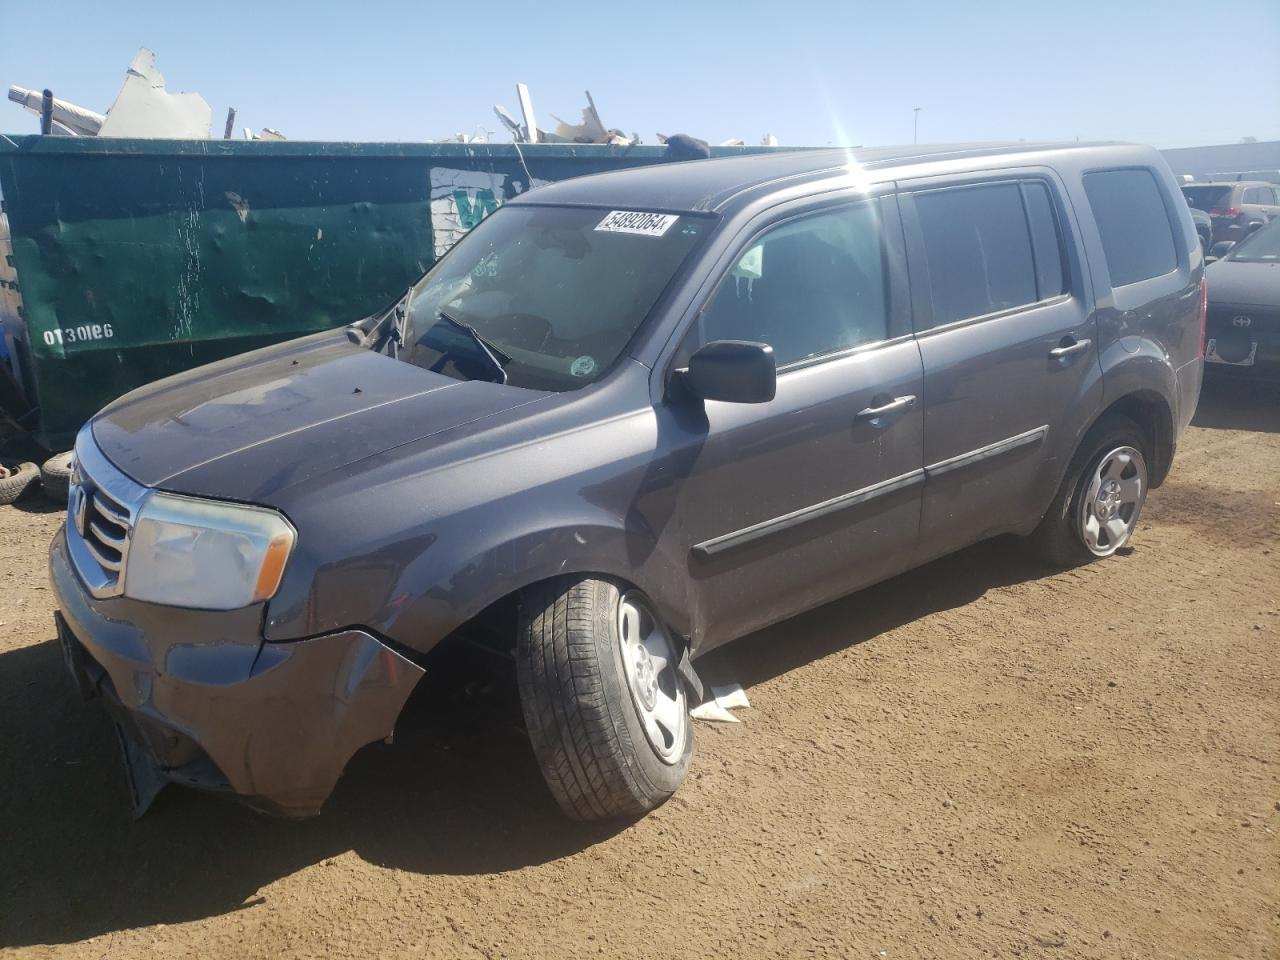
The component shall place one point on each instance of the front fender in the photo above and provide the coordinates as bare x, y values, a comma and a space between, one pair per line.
413, 553
444, 588
417, 591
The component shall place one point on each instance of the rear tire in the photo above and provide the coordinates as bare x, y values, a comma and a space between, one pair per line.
608, 720
1096, 510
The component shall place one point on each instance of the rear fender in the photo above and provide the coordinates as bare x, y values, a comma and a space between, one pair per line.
1138, 368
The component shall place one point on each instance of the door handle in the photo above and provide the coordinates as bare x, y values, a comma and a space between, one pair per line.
1068, 349
893, 406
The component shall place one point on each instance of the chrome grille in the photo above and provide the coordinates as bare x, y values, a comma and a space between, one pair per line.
106, 530
101, 510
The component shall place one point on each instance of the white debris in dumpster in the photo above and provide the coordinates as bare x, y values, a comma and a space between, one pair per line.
143, 108
69, 119
723, 699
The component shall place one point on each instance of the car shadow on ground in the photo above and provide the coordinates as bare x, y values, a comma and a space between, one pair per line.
941, 585
1228, 404
458, 792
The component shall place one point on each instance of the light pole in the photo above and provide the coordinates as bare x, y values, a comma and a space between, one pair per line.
915, 125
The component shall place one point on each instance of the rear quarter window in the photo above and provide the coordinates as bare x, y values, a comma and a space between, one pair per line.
1207, 198
1137, 237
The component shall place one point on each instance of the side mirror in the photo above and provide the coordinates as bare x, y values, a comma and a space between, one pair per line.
734, 371
1221, 248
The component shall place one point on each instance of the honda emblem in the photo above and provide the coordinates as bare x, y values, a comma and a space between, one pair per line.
79, 507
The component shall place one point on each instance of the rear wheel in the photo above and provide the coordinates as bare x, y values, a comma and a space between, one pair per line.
606, 710
1101, 499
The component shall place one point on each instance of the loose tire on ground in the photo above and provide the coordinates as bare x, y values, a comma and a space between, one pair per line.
1061, 538
55, 476
590, 716
17, 481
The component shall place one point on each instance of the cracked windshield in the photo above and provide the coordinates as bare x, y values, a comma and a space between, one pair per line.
545, 297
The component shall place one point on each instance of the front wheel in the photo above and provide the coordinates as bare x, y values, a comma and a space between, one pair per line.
1097, 508
606, 710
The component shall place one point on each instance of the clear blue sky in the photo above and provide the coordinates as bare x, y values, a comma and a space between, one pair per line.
1156, 71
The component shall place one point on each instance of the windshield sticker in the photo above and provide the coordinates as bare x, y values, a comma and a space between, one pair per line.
634, 221
583, 366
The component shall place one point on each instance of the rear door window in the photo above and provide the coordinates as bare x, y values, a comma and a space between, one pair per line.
1137, 237
978, 244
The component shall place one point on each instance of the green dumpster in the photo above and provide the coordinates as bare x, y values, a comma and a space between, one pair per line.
134, 259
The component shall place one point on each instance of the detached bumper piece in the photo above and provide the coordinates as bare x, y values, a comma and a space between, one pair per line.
208, 704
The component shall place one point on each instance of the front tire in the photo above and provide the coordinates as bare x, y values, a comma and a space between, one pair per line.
606, 711
1097, 508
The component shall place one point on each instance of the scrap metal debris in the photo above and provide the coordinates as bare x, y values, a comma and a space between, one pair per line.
593, 130
68, 118
723, 699
143, 108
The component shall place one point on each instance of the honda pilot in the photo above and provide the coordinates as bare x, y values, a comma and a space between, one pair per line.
627, 419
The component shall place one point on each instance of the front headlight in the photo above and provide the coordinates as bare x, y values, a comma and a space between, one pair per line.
201, 553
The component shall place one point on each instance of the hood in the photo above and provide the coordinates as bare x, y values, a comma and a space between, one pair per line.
248, 427
1244, 283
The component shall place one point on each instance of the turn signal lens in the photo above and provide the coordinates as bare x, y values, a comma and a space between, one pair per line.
273, 566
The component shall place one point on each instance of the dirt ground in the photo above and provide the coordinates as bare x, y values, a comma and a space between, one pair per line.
978, 759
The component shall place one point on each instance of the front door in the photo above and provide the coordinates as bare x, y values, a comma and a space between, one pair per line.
787, 504
1009, 345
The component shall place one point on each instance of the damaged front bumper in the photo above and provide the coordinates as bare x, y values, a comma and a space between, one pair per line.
200, 699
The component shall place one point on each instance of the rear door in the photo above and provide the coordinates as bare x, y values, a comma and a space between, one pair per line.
790, 503
1009, 345
1255, 202
1260, 204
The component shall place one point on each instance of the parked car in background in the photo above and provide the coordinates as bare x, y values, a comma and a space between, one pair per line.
1243, 325
1204, 228
1237, 207
627, 419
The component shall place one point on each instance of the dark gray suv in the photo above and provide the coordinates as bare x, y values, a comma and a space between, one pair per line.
628, 418
1236, 207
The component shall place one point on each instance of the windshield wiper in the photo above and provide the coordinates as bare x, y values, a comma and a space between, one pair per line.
397, 333
496, 357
